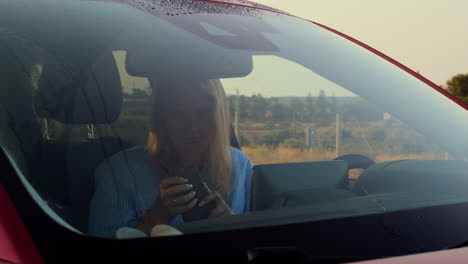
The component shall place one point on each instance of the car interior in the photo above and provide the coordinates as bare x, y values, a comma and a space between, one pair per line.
61, 171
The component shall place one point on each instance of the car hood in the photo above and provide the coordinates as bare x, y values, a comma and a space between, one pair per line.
454, 256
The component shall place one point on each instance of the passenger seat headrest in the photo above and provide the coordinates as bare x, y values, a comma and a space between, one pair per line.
80, 95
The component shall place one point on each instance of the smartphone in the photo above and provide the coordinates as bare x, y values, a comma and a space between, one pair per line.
201, 191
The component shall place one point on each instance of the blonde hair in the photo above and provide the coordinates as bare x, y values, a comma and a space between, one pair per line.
218, 159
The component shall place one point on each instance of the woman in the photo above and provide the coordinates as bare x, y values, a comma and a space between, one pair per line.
143, 187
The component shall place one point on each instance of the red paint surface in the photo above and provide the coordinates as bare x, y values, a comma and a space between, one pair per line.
453, 256
16, 245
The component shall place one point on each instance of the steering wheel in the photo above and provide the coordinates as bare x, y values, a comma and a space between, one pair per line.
355, 161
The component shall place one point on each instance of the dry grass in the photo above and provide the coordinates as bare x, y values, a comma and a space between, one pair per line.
420, 156
265, 155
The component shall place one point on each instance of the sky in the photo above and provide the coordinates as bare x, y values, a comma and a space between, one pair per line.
428, 36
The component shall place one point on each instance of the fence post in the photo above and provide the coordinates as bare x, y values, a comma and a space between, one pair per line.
338, 135
310, 137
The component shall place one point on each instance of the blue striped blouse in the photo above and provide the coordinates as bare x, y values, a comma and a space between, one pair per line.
126, 187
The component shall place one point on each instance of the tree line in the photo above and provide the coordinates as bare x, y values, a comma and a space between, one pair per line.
458, 86
320, 110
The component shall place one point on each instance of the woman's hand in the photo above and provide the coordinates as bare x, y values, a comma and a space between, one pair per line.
221, 208
170, 202
171, 198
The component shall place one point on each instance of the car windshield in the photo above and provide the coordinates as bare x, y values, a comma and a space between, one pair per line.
210, 117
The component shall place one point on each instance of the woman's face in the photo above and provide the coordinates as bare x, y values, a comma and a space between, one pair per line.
188, 117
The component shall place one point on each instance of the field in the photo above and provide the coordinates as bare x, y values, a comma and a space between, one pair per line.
265, 155
380, 140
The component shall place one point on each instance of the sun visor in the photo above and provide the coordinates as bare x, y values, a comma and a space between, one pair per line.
85, 88
92, 98
169, 52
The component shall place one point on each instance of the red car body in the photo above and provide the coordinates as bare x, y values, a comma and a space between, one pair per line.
17, 246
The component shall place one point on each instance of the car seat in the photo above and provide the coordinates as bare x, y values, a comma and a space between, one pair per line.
90, 99
20, 133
